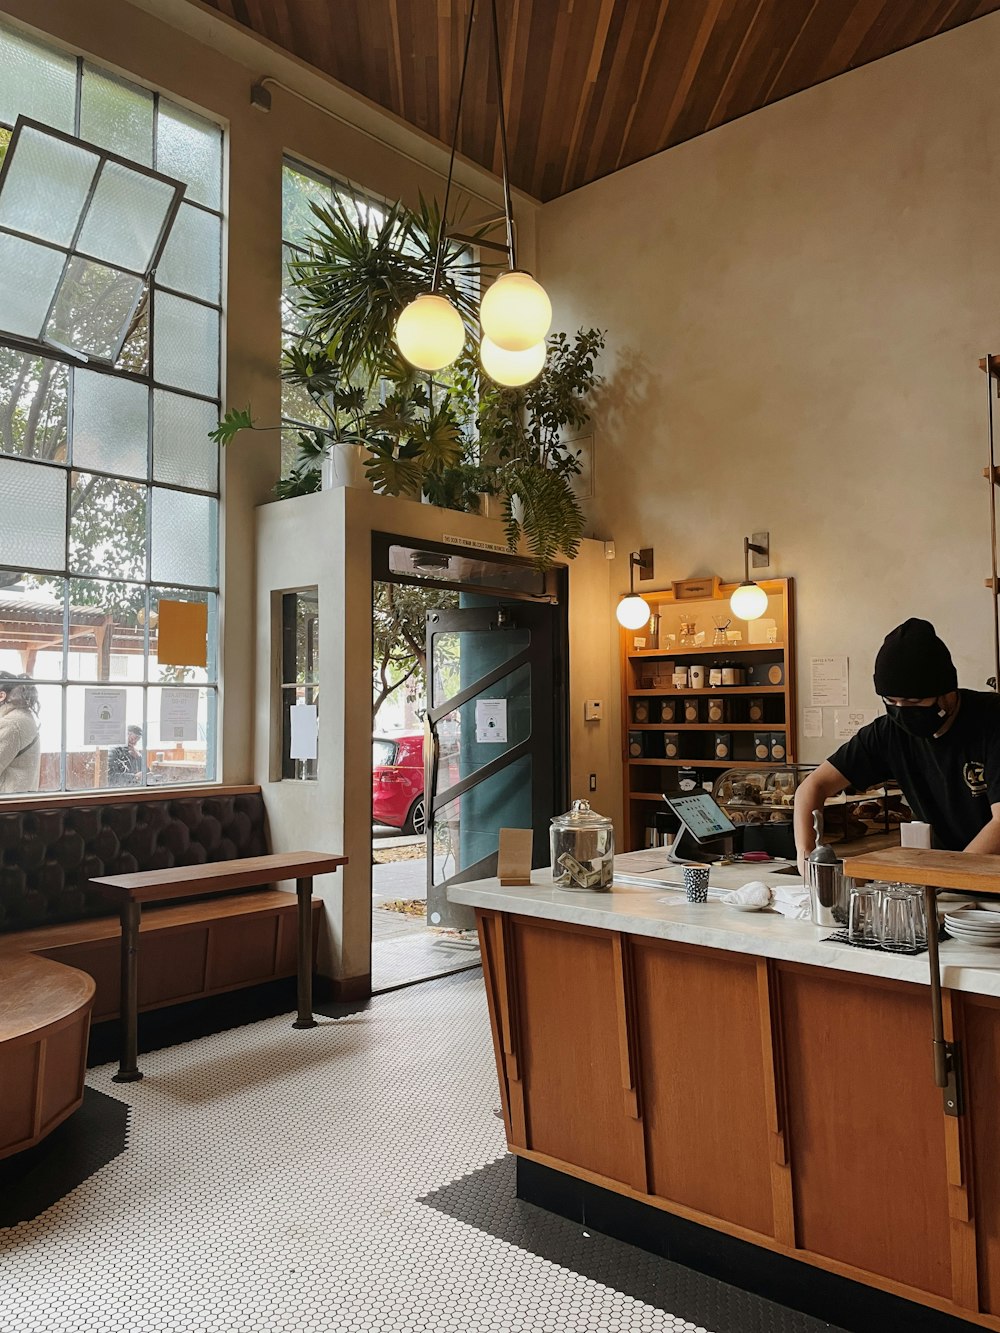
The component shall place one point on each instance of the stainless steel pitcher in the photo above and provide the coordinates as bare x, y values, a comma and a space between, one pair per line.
829, 890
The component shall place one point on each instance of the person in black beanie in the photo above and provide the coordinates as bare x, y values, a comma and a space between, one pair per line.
940, 744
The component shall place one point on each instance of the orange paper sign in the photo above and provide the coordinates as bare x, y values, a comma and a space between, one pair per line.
182, 634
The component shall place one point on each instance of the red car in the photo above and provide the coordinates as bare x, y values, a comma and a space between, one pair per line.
398, 782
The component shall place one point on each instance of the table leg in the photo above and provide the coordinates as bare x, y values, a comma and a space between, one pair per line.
303, 888
128, 1006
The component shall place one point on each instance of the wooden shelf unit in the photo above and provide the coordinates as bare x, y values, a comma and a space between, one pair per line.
648, 776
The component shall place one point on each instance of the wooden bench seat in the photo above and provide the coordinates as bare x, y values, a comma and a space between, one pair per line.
45, 1011
187, 950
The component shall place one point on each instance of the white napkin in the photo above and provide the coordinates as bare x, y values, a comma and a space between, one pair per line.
754, 894
793, 903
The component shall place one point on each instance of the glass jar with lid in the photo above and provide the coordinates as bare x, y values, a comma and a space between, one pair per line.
583, 849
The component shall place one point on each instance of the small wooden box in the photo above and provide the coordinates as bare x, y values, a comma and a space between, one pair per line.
689, 590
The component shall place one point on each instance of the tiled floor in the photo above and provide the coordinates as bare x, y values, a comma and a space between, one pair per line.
272, 1183
404, 949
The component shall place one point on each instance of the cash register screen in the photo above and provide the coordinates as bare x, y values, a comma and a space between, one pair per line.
703, 817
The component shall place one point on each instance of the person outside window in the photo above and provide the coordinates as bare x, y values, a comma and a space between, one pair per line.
125, 761
20, 747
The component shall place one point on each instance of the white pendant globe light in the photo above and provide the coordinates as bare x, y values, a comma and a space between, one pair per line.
516, 312
632, 612
430, 332
511, 368
749, 601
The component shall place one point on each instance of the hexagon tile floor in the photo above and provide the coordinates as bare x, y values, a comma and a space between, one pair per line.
272, 1183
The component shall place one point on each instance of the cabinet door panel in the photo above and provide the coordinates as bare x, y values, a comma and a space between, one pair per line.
702, 1070
567, 1019
981, 1044
866, 1122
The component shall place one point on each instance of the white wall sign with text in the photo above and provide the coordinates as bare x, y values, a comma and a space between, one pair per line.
178, 714
828, 686
104, 717
491, 721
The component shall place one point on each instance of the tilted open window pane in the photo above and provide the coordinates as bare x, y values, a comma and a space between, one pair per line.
126, 217
45, 186
24, 303
93, 310
110, 424
32, 514
116, 115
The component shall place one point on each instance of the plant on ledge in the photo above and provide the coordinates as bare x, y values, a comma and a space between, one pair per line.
448, 438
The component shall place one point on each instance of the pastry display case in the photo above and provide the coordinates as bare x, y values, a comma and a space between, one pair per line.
767, 796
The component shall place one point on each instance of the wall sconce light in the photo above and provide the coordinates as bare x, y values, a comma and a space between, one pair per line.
633, 611
749, 601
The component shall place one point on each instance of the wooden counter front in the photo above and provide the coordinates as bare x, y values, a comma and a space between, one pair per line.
788, 1104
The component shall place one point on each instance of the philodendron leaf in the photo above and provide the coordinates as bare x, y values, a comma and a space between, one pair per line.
392, 473
440, 440
235, 420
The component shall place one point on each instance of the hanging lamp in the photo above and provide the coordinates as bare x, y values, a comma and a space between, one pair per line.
749, 600
515, 312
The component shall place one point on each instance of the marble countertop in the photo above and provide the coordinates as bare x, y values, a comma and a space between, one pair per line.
662, 912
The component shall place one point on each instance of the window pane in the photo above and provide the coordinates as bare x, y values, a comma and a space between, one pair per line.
32, 515
99, 765
134, 355
110, 424
25, 303
93, 309
116, 115
300, 637
106, 631
36, 82
173, 760
33, 399
182, 452
31, 625
107, 527
192, 256
183, 674
298, 191
125, 218
185, 538
189, 148
46, 186
186, 345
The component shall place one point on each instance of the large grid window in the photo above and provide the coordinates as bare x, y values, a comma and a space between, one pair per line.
109, 484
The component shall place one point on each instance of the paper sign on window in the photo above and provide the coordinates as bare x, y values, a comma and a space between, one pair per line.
305, 731
182, 634
104, 717
491, 721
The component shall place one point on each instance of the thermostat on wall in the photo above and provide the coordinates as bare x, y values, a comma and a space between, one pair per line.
593, 710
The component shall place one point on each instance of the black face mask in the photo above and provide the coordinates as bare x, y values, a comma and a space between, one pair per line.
922, 720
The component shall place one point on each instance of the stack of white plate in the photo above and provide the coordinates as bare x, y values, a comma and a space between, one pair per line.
974, 925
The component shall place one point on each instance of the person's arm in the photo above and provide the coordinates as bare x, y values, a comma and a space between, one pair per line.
987, 840
823, 782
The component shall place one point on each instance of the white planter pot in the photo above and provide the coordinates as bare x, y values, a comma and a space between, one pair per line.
344, 465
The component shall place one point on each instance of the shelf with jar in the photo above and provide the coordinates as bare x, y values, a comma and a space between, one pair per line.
703, 692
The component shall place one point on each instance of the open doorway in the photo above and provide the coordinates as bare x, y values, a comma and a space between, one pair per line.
469, 735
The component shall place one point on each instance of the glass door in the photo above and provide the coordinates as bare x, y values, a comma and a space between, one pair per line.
493, 741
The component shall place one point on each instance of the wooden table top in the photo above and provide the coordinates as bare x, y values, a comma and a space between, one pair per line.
188, 881
920, 865
36, 992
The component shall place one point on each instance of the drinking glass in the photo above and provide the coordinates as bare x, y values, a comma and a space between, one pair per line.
897, 919
916, 893
862, 917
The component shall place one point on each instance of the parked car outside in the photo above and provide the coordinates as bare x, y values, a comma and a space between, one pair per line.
398, 781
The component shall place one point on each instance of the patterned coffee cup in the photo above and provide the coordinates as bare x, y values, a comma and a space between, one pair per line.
696, 884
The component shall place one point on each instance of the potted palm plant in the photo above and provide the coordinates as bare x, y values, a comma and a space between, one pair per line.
448, 438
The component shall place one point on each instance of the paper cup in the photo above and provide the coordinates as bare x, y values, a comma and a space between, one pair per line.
696, 884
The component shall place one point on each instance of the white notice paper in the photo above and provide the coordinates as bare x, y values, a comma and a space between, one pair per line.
849, 723
491, 721
305, 731
828, 682
178, 715
812, 723
104, 717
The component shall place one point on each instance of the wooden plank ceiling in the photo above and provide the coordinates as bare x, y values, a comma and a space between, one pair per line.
591, 85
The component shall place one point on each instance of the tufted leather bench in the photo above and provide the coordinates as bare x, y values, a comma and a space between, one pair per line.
49, 853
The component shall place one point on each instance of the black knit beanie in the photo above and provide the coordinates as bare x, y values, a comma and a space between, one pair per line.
913, 663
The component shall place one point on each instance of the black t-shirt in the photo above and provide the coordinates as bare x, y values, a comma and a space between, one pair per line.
950, 783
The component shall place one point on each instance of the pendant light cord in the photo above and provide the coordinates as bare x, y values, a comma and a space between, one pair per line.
507, 205
442, 222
